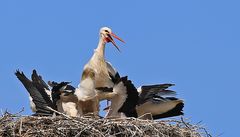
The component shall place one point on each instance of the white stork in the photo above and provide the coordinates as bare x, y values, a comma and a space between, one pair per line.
60, 98
65, 99
97, 74
124, 103
150, 99
156, 100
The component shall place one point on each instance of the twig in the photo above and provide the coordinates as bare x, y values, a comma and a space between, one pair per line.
20, 111
184, 123
20, 127
58, 112
85, 128
146, 114
206, 132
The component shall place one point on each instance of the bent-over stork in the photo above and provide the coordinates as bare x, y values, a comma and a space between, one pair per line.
97, 74
125, 100
148, 99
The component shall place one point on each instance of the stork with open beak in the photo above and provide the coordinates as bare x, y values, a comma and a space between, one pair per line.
59, 98
97, 74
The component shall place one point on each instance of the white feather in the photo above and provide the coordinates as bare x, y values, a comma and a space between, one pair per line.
70, 108
86, 90
155, 108
32, 104
111, 69
139, 89
118, 100
49, 93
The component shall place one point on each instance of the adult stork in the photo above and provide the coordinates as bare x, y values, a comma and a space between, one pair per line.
59, 98
155, 100
97, 74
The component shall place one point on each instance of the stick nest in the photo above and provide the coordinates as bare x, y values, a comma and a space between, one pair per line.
25, 126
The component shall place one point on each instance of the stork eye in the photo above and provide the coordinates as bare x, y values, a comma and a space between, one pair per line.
106, 31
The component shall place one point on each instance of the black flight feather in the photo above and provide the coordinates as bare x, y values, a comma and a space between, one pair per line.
38, 94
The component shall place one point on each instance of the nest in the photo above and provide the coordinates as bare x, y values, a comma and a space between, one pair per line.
25, 126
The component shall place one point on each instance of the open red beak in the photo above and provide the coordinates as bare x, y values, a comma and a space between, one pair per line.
113, 42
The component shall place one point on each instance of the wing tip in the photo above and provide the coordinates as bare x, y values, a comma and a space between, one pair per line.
34, 74
18, 72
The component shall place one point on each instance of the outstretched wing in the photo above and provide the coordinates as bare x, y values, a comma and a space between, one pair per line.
38, 79
153, 100
149, 91
39, 97
167, 107
161, 107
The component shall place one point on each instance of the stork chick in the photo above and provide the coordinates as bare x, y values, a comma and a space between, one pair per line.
60, 97
64, 98
39, 93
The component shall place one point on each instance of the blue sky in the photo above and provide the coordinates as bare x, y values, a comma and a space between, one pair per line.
194, 44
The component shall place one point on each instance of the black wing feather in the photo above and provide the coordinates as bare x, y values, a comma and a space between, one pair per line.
41, 86
129, 106
149, 91
40, 97
38, 79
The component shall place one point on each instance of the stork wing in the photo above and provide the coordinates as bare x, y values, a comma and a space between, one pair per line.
38, 79
39, 83
107, 92
125, 100
148, 91
38, 94
129, 106
170, 107
114, 75
155, 87
152, 100
161, 107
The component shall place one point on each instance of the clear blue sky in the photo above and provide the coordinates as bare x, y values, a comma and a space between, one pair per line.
194, 44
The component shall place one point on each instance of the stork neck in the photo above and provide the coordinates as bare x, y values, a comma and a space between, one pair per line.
101, 47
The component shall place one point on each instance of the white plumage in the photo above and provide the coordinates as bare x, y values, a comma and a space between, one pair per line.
96, 74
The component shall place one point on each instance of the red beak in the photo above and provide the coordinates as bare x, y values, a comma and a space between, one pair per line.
115, 36
113, 42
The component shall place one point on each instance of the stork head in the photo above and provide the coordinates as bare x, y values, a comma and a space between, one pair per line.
106, 34
62, 88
